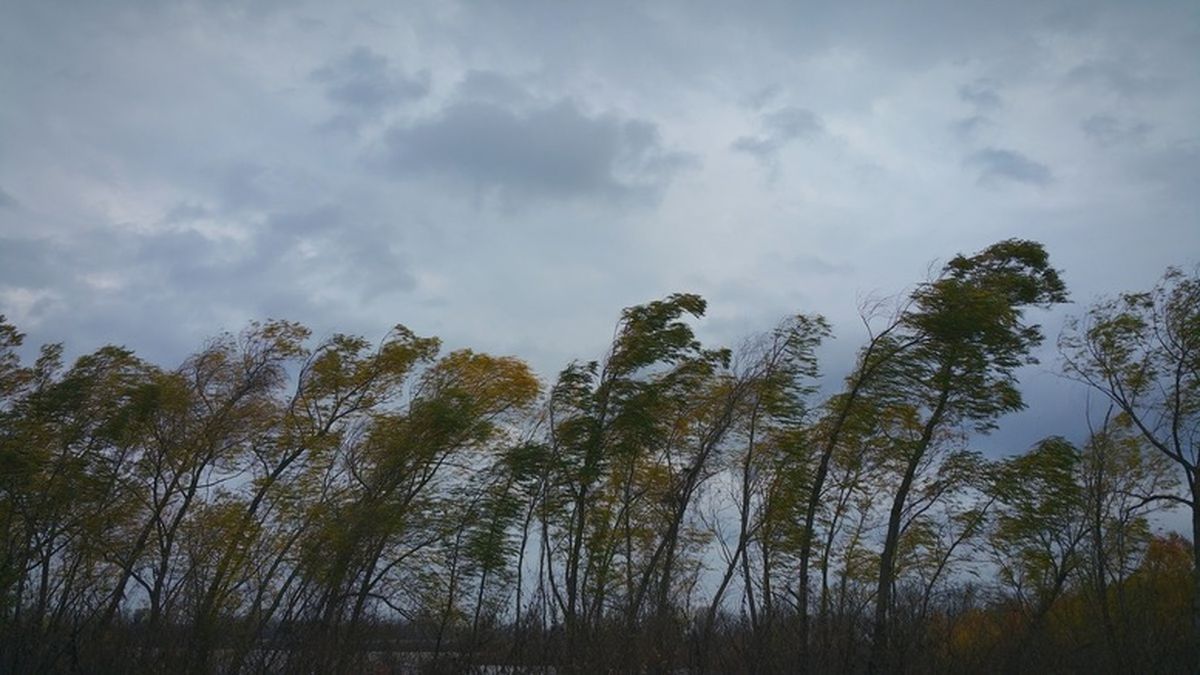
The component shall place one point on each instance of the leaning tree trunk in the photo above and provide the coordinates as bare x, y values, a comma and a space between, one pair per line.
1195, 570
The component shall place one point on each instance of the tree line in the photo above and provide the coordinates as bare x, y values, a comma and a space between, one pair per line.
278, 505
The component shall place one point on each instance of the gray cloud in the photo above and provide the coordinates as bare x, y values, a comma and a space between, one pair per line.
779, 128
185, 212
241, 184
176, 284
555, 150
187, 181
969, 127
293, 255
981, 94
488, 86
1118, 76
763, 97
7, 201
1107, 130
25, 262
363, 84
1175, 170
997, 165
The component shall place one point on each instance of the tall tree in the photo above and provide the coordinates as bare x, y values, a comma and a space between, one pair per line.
632, 438
1142, 352
1039, 537
969, 335
779, 369
1121, 478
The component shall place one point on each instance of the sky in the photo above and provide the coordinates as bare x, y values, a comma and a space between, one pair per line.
508, 176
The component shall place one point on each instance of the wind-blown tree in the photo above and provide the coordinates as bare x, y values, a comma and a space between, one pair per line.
69, 444
1120, 476
338, 387
482, 568
944, 523
388, 521
1142, 352
1158, 607
779, 371
13, 463
18, 462
1040, 533
845, 416
525, 467
632, 439
227, 506
967, 335
269, 505
13, 377
845, 556
149, 444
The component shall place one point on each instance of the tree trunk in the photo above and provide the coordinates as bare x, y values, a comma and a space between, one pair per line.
1196, 570
877, 662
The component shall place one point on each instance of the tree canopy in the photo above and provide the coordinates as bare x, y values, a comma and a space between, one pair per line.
276, 504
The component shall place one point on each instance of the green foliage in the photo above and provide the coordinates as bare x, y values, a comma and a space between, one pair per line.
1142, 351
1042, 521
274, 504
969, 328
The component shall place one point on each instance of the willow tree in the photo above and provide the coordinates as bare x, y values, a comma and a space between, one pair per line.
12, 463
1122, 475
395, 506
968, 336
632, 439
1142, 352
339, 385
1039, 540
67, 444
778, 369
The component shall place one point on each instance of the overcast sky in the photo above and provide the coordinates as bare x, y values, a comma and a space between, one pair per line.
508, 176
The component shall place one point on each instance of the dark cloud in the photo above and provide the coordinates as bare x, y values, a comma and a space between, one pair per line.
1175, 169
981, 94
996, 165
293, 253
186, 212
7, 201
763, 97
1118, 76
792, 122
179, 284
489, 86
242, 184
556, 150
779, 128
347, 253
174, 186
25, 262
363, 85
968, 127
1107, 130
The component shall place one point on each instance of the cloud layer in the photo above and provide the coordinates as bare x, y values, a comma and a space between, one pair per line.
511, 179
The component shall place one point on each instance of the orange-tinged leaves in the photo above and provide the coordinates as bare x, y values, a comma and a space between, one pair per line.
493, 385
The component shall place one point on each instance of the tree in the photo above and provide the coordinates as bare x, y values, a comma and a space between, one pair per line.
1120, 474
632, 441
968, 336
1142, 352
1040, 532
779, 369
386, 526
69, 443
